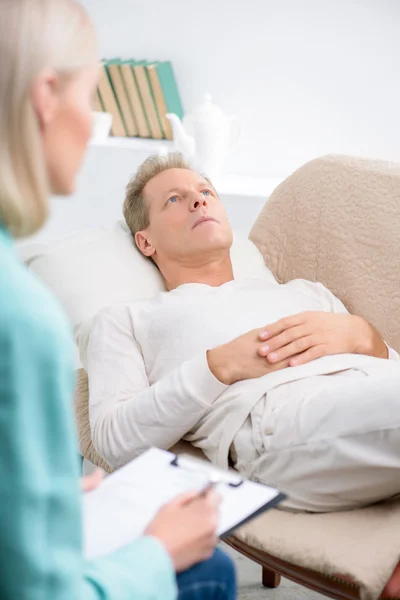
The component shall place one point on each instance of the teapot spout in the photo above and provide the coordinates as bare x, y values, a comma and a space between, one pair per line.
183, 142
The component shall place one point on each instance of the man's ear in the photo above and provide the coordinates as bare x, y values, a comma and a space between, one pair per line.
144, 244
45, 96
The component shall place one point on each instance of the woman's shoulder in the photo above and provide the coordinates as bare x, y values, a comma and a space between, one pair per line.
25, 304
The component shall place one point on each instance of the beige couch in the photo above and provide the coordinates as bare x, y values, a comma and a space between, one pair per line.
335, 220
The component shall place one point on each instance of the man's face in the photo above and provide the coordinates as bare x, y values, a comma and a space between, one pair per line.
187, 219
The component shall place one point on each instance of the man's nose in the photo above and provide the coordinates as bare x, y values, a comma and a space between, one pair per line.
198, 200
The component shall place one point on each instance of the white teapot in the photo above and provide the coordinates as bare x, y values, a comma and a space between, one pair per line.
205, 137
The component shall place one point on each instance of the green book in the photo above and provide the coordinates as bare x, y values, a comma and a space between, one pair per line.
97, 104
165, 93
134, 97
146, 93
128, 114
111, 78
146, 65
109, 102
170, 88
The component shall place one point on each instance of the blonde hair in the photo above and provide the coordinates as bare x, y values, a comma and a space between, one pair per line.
34, 35
136, 210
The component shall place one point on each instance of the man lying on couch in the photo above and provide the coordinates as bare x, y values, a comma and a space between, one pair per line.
278, 380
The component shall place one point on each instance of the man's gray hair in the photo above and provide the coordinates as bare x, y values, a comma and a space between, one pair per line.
136, 210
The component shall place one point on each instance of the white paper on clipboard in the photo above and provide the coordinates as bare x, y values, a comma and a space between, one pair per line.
125, 503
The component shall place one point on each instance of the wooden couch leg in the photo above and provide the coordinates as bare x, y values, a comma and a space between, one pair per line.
270, 578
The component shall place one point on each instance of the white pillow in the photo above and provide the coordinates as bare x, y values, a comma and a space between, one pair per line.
92, 269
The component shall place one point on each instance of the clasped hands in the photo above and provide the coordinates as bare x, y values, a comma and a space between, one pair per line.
310, 335
294, 341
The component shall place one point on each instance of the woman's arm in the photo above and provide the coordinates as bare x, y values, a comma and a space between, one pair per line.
40, 498
141, 571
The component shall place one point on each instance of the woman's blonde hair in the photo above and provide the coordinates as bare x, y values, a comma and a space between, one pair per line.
34, 35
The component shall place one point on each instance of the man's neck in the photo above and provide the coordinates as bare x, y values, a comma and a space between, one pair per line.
213, 272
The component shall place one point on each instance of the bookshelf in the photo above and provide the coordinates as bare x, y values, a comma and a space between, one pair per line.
135, 143
138, 94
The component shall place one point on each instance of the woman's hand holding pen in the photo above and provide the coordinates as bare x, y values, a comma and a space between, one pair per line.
92, 482
187, 527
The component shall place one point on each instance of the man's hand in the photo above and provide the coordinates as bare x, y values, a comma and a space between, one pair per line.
240, 359
310, 335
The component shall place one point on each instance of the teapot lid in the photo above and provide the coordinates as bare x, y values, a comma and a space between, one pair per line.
207, 108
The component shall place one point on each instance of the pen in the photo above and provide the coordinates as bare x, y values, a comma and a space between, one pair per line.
207, 488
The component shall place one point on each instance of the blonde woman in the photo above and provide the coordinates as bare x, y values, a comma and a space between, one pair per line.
48, 74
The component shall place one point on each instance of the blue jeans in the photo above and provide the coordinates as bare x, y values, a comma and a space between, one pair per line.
213, 579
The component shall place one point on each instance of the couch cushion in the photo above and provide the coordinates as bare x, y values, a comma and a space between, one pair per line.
362, 545
337, 220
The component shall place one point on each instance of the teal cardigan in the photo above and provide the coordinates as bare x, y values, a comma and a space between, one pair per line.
40, 499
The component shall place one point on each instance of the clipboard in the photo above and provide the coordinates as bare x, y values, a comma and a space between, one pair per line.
215, 475
230, 478
119, 511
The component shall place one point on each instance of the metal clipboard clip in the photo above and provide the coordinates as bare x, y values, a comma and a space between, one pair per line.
214, 475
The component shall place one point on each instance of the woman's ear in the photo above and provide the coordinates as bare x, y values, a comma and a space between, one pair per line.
45, 96
144, 244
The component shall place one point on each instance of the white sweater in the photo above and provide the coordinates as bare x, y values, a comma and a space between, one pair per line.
149, 380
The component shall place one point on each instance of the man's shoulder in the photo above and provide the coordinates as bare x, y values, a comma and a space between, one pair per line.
319, 292
127, 311
305, 286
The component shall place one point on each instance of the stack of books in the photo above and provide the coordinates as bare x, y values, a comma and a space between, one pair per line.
138, 94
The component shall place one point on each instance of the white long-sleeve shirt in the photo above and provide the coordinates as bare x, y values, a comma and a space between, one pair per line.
149, 380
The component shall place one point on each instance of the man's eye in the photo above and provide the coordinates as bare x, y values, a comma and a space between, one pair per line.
173, 199
206, 192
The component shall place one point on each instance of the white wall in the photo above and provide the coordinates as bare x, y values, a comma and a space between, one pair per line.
306, 77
